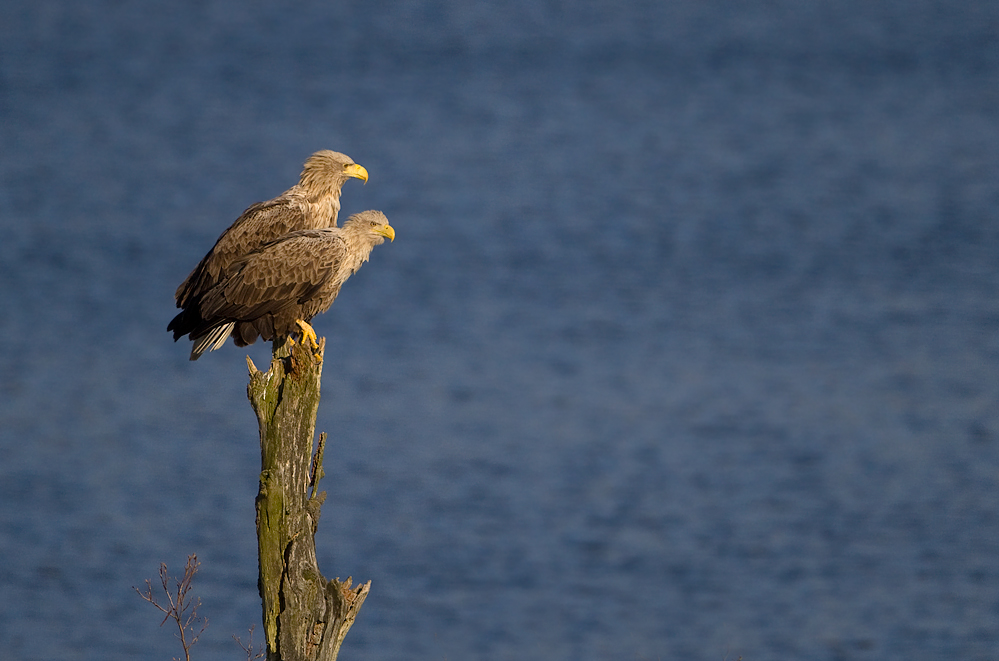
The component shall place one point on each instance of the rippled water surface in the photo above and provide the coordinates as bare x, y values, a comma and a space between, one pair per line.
686, 348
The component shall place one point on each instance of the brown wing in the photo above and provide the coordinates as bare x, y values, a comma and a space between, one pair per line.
261, 223
284, 274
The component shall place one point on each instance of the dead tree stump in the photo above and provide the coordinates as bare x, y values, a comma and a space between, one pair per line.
305, 616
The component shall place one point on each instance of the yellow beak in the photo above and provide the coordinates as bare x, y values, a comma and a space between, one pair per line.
357, 171
387, 232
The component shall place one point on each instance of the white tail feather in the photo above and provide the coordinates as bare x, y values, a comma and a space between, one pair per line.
211, 340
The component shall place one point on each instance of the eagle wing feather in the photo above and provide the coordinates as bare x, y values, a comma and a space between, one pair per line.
283, 273
259, 224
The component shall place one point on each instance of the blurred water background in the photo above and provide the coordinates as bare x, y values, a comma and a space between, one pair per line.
686, 349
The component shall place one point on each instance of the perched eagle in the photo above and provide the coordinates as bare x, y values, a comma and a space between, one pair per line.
312, 203
275, 290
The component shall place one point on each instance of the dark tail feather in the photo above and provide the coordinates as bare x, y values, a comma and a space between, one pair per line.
185, 322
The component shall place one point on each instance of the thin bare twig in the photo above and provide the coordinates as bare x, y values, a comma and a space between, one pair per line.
181, 606
251, 654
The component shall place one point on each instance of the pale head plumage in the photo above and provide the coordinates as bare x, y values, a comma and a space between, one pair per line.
325, 173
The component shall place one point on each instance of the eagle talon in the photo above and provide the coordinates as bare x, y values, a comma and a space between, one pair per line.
308, 334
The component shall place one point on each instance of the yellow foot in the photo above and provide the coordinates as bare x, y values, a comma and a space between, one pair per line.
308, 333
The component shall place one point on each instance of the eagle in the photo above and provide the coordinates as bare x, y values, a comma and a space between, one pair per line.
312, 203
275, 290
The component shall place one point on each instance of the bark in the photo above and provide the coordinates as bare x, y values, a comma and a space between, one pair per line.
305, 616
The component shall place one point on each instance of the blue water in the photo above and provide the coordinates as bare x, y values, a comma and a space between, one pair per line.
686, 349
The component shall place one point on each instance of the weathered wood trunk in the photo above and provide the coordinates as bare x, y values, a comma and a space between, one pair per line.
305, 616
